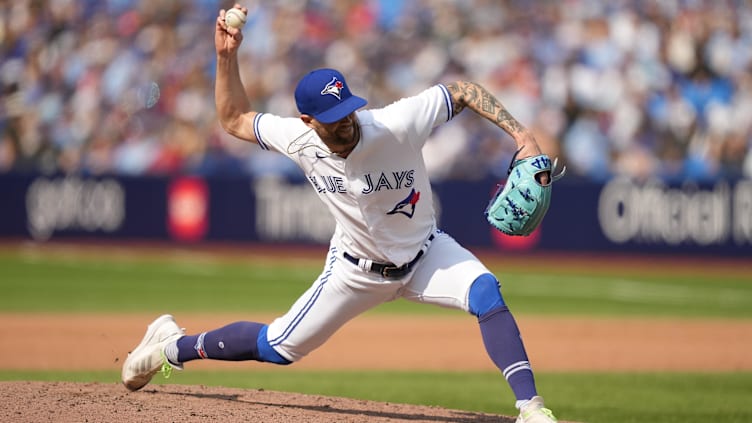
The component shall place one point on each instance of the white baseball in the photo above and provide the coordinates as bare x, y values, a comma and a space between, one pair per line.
235, 18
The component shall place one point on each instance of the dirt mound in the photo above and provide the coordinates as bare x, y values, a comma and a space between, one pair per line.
99, 402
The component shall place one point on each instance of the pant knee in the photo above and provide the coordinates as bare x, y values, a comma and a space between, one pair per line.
266, 352
485, 295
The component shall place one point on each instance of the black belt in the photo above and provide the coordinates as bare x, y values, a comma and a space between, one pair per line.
390, 270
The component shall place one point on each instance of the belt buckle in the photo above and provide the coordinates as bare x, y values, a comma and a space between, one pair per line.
386, 269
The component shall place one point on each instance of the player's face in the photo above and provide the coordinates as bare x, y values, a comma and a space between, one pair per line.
338, 135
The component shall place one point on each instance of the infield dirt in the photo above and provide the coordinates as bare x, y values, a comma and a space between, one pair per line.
96, 402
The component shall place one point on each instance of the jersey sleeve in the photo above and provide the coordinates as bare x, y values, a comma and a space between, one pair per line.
416, 116
277, 133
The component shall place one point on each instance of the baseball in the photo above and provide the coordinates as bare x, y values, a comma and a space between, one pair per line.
235, 18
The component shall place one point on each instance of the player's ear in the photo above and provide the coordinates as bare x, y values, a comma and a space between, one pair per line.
307, 119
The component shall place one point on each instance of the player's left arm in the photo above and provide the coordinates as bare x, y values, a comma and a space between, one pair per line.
473, 96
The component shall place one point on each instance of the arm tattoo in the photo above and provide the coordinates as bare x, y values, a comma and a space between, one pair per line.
506, 121
478, 99
497, 112
468, 94
489, 102
456, 94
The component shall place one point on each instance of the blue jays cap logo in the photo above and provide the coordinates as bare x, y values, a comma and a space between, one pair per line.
312, 100
407, 206
334, 87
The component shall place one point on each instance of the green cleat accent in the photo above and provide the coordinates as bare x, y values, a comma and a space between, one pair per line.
535, 412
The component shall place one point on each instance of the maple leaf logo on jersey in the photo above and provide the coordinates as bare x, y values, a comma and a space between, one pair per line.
334, 88
407, 206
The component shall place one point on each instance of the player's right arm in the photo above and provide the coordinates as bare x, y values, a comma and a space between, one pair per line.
233, 107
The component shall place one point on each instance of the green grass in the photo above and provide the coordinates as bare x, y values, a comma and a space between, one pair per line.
139, 283
645, 294
34, 282
79, 283
584, 397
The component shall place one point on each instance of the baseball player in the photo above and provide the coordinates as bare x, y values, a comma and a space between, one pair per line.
366, 167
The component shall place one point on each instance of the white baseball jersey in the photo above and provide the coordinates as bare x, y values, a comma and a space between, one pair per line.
380, 195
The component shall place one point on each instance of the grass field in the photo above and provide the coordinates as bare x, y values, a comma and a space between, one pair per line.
67, 281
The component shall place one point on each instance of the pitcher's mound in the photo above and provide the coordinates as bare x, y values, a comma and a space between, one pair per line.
101, 402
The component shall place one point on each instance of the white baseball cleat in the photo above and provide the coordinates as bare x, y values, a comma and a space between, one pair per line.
535, 412
148, 357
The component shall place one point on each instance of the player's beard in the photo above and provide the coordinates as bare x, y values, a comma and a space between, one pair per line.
344, 138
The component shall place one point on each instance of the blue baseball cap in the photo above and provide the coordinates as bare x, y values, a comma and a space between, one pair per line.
324, 94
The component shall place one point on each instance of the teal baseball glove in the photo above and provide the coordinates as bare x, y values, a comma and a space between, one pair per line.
518, 206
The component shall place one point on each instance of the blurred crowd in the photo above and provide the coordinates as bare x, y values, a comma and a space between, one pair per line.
638, 88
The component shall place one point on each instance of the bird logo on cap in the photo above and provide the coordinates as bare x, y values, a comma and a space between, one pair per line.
334, 88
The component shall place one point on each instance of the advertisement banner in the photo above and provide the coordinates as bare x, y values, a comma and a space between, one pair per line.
619, 216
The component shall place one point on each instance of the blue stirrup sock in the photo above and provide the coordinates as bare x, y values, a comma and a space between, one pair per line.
237, 341
501, 336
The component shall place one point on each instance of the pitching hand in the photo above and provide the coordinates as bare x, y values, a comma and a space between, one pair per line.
227, 39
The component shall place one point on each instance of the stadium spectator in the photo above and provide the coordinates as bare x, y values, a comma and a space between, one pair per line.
642, 89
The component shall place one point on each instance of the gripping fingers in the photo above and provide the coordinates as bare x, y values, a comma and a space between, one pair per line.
235, 33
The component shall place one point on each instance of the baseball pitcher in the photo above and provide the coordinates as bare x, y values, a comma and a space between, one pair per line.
366, 167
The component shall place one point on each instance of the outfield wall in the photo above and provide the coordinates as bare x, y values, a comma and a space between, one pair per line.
619, 216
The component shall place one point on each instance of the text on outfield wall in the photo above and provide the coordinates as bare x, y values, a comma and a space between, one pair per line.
656, 214
74, 204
